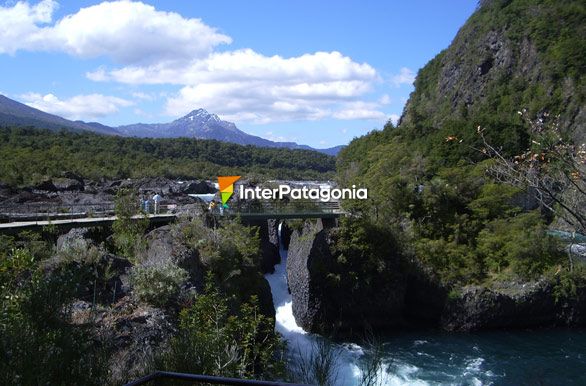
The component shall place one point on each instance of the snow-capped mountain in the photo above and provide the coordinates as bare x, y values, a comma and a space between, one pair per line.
204, 125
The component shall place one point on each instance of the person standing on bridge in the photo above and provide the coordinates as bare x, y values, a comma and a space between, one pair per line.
145, 203
157, 199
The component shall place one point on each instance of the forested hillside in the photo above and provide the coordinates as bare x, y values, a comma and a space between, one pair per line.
509, 55
431, 177
31, 155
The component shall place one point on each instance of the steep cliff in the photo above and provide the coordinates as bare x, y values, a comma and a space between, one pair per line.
509, 55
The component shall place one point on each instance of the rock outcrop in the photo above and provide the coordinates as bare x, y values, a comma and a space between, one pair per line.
324, 303
269, 244
164, 247
307, 262
513, 305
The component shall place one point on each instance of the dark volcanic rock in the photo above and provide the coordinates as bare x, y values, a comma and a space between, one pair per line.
137, 332
308, 255
285, 235
273, 232
425, 297
46, 185
164, 247
324, 303
524, 305
197, 187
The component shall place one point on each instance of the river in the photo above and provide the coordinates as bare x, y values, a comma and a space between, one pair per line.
539, 357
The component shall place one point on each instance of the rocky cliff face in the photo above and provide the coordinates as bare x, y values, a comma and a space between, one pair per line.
415, 297
325, 306
509, 55
307, 262
513, 305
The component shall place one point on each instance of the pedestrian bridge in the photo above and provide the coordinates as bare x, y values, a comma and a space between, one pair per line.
14, 218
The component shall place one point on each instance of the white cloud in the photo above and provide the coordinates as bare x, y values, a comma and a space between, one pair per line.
246, 86
384, 100
125, 31
143, 96
360, 110
278, 138
165, 48
78, 107
394, 118
20, 25
405, 76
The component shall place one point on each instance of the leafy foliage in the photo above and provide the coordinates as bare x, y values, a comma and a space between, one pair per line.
211, 340
38, 345
31, 155
157, 284
129, 226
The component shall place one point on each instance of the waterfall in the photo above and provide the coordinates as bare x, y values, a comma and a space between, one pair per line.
298, 340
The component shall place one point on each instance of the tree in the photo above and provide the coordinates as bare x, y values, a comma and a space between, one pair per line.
128, 229
553, 168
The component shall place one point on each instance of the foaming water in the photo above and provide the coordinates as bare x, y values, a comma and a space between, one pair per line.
548, 357
299, 341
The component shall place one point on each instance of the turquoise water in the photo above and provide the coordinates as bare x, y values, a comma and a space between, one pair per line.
540, 357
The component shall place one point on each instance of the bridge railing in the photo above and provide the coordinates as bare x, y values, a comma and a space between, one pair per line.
284, 207
161, 376
50, 210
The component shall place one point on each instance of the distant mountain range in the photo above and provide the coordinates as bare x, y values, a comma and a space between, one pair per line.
13, 113
197, 124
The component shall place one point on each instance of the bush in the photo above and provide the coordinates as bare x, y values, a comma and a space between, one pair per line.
213, 341
128, 231
519, 245
38, 344
157, 284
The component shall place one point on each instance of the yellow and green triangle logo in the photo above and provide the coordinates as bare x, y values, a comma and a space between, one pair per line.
226, 184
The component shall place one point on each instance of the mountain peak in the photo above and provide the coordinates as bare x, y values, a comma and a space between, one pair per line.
200, 115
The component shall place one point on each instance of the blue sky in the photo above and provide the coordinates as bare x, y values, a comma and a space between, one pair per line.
313, 72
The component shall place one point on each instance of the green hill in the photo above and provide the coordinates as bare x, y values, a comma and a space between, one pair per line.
510, 55
31, 155
428, 176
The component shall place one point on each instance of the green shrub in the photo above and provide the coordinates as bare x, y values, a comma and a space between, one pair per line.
38, 343
128, 231
212, 340
157, 284
519, 245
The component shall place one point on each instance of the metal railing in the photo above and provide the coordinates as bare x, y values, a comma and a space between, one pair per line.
208, 379
55, 211
284, 207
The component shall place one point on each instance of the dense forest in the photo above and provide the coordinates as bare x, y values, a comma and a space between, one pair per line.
31, 155
510, 86
468, 191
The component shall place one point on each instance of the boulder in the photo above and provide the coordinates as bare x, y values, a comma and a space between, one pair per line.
68, 184
197, 187
513, 305
163, 246
76, 238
